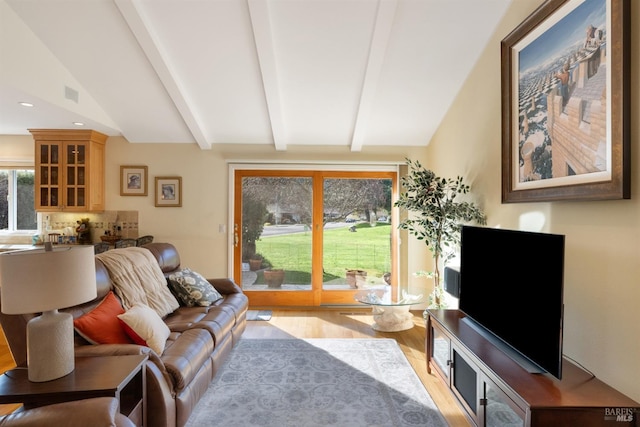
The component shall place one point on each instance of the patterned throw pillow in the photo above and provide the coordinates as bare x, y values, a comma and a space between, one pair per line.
192, 289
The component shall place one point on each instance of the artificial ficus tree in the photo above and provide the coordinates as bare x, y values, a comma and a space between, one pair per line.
436, 215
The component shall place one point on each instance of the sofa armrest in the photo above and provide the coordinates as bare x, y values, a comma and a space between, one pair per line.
112, 350
124, 350
161, 407
225, 286
95, 412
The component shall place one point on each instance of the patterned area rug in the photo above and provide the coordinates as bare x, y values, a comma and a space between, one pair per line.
316, 382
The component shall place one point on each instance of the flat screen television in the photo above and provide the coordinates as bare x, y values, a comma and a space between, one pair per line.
511, 285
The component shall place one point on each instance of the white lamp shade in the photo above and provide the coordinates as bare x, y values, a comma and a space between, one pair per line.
36, 280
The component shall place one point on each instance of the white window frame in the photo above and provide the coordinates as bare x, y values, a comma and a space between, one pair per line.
12, 205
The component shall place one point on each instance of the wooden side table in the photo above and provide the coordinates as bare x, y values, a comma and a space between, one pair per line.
122, 377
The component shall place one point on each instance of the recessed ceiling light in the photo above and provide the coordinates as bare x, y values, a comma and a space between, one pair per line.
26, 104
78, 123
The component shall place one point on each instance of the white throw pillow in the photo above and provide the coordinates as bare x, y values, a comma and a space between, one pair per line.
145, 327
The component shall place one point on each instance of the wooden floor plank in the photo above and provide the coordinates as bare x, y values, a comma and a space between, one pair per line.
6, 363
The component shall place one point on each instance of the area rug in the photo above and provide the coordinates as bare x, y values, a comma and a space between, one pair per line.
316, 382
258, 314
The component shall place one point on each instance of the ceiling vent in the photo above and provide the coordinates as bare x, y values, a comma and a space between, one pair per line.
71, 94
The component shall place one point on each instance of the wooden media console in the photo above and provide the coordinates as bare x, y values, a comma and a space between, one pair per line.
495, 390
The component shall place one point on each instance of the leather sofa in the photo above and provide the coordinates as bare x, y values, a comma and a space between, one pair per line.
200, 340
95, 412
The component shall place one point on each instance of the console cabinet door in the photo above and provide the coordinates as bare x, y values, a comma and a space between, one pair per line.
465, 382
440, 353
497, 409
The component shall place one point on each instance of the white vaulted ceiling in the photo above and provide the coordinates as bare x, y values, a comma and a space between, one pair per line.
351, 73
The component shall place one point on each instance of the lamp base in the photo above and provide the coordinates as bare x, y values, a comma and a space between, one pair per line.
50, 352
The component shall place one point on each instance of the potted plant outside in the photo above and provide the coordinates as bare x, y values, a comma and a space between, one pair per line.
254, 214
274, 277
436, 217
356, 278
255, 262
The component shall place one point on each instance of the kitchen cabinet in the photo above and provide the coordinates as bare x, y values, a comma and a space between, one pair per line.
69, 170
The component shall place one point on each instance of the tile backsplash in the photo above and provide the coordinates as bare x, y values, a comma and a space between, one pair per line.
122, 223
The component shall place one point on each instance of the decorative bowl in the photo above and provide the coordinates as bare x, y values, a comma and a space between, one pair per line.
110, 239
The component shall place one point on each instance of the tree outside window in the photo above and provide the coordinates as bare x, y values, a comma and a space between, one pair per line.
17, 212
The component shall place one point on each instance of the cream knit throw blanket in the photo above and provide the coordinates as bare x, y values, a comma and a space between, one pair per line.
137, 278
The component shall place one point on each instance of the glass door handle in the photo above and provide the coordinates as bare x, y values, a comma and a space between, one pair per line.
235, 235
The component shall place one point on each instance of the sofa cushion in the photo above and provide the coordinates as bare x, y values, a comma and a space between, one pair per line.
186, 355
101, 325
184, 317
145, 327
218, 322
238, 304
192, 289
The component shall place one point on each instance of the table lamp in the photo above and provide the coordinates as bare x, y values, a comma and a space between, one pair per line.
45, 280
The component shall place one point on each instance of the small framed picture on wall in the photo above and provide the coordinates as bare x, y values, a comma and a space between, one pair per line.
133, 180
168, 191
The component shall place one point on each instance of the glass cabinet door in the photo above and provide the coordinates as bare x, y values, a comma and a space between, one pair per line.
499, 410
48, 175
75, 178
441, 352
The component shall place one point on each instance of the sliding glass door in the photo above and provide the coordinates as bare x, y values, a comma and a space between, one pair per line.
308, 238
357, 235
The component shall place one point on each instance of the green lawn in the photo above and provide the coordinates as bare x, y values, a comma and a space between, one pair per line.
369, 249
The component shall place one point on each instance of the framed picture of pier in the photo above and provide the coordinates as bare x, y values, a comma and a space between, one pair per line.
565, 103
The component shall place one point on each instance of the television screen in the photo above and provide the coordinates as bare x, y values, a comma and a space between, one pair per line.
511, 283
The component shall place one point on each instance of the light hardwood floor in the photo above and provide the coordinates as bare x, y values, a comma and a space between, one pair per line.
6, 363
334, 323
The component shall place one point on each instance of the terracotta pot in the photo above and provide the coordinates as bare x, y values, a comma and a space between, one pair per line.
356, 278
255, 264
274, 278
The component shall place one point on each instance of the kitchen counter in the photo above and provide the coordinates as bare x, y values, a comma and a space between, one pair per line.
13, 247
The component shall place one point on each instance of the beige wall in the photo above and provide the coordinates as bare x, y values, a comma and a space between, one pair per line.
602, 271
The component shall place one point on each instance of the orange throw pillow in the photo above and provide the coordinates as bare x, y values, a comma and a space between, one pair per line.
101, 325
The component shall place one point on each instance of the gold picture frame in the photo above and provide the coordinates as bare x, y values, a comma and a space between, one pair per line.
168, 191
565, 103
133, 180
